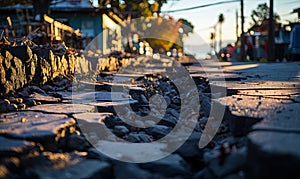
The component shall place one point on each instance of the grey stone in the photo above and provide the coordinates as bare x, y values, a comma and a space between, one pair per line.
190, 149
296, 98
130, 170
36, 89
138, 138
4, 105
75, 169
274, 155
174, 113
284, 118
204, 174
176, 100
159, 131
22, 52
12, 107
14, 147
13, 74
19, 66
77, 142
63, 108
93, 153
16, 100
232, 163
47, 88
85, 97
44, 99
40, 127
143, 99
120, 131
30, 102
172, 165
205, 106
168, 120
168, 100
21, 106
95, 126
111, 107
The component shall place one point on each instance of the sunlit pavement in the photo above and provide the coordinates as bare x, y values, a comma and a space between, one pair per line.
269, 92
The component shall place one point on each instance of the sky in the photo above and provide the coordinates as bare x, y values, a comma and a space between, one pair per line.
204, 18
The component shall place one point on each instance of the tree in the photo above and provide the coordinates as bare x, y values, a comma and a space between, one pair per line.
220, 21
261, 14
185, 29
163, 33
137, 14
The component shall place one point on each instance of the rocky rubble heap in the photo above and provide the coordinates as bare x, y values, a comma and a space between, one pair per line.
49, 140
20, 66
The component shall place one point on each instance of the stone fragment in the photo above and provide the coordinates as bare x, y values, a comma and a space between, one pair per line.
77, 142
190, 149
168, 120
120, 131
62, 108
22, 52
14, 147
43, 128
172, 165
74, 168
274, 154
159, 131
232, 163
130, 170
44, 99
138, 138
4, 105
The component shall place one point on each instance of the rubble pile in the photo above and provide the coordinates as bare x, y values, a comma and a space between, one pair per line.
42, 127
28, 64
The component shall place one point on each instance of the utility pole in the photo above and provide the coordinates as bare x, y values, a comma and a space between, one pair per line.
242, 55
237, 24
271, 35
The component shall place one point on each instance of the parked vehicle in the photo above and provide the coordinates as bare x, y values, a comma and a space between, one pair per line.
294, 47
225, 53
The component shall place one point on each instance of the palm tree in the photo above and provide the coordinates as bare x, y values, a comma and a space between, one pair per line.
220, 21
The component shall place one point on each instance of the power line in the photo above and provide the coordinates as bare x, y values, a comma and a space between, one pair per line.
201, 6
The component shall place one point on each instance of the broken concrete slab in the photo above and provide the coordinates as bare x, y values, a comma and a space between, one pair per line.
93, 126
96, 118
14, 147
172, 165
263, 85
36, 126
74, 168
251, 106
217, 76
232, 163
116, 87
111, 106
133, 152
44, 99
62, 108
270, 93
273, 155
77, 97
285, 118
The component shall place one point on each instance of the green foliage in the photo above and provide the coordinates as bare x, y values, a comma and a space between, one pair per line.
187, 27
261, 13
163, 33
